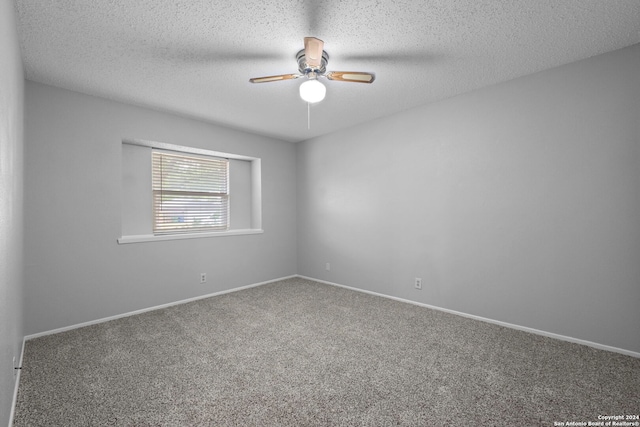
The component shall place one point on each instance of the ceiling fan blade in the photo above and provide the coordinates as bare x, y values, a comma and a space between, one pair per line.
351, 76
313, 51
274, 78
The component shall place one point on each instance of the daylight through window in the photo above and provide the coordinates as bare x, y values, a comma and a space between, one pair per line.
190, 193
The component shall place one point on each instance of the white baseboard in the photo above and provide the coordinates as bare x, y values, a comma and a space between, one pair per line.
16, 386
484, 319
144, 310
458, 313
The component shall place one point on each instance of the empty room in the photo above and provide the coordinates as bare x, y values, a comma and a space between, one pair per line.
320, 213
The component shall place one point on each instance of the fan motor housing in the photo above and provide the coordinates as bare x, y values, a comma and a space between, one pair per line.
305, 69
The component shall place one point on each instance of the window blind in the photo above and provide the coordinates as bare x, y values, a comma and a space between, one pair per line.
190, 193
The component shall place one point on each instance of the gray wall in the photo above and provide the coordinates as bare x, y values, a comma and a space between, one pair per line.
518, 203
75, 270
11, 204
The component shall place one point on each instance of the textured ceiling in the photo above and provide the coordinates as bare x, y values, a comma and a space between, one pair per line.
195, 57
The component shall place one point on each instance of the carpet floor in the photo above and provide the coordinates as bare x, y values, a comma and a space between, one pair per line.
301, 353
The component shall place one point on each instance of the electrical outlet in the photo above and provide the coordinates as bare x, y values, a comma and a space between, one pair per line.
203, 277
327, 267
418, 283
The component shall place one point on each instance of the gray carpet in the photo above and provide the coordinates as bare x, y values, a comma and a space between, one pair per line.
300, 353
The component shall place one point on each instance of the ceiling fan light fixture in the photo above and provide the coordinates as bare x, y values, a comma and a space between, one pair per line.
312, 91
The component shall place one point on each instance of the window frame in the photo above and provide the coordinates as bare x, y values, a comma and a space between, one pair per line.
256, 194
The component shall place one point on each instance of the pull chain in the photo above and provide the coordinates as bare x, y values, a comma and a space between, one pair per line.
308, 115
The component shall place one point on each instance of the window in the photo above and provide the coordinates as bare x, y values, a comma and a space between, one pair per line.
190, 193
243, 191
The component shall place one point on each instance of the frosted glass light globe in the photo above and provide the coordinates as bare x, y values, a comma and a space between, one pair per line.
312, 91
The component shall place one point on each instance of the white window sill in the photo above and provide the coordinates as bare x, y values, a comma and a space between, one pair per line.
142, 238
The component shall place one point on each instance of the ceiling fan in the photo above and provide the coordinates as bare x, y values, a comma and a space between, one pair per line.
312, 63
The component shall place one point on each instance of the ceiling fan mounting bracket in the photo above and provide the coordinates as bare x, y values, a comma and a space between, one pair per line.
306, 70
